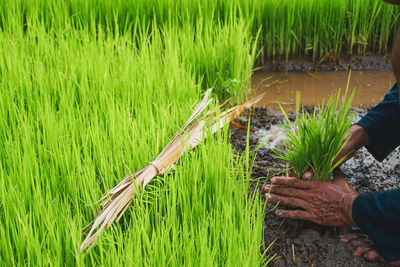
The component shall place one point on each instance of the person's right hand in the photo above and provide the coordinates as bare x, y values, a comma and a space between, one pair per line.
356, 138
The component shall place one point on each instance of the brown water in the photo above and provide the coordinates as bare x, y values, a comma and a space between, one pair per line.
314, 88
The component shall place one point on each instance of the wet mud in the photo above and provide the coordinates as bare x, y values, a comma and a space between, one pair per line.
369, 61
301, 243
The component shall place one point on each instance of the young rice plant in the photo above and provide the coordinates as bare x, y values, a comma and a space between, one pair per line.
315, 140
82, 106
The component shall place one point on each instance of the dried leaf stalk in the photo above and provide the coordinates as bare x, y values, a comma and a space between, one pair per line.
117, 200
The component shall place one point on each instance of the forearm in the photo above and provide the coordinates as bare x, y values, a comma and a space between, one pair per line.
382, 125
355, 138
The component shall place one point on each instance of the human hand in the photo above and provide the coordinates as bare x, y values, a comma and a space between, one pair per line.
324, 203
355, 138
362, 246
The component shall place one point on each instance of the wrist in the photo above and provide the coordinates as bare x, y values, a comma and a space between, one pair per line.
348, 201
358, 137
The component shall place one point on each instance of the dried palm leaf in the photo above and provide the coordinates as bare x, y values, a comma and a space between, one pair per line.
117, 200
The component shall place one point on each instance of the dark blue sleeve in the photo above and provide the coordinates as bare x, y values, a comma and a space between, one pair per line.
379, 216
382, 124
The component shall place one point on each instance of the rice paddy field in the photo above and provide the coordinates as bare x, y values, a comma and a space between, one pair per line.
91, 91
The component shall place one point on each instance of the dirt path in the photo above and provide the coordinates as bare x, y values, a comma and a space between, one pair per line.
299, 243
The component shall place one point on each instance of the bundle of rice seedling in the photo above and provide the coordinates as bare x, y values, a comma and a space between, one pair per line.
315, 140
117, 200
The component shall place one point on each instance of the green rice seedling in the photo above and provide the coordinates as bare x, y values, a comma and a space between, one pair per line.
81, 106
315, 140
91, 90
320, 30
226, 65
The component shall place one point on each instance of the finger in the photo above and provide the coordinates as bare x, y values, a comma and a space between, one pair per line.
361, 251
360, 243
293, 182
308, 175
288, 201
373, 256
348, 237
290, 192
266, 188
294, 214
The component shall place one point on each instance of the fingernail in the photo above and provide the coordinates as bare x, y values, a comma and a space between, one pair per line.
358, 252
266, 188
273, 180
278, 212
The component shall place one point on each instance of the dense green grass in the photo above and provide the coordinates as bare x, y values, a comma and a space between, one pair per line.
318, 29
81, 108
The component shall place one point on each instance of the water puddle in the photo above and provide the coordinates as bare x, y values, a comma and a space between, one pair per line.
314, 88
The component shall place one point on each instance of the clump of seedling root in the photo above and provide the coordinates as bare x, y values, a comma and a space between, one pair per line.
315, 139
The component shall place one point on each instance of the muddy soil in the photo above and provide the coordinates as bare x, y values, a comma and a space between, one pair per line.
300, 243
370, 61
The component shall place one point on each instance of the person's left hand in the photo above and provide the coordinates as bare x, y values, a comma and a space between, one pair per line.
324, 203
